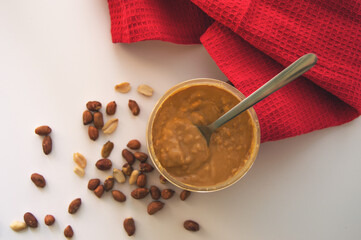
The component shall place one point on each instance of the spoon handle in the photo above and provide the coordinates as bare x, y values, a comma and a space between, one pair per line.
296, 69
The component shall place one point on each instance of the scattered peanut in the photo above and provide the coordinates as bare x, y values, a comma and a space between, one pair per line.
38, 180
145, 167
74, 206
133, 177
110, 126
43, 130
18, 226
140, 193
141, 180
111, 108
118, 196
108, 183
154, 192
118, 175
49, 220
127, 169
129, 226
93, 133
80, 160
128, 156
123, 87
99, 191
134, 107
134, 144
93, 183
47, 145
191, 225
167, 193
30, 220
142, 157
93, 106
103, 164
87, 117
154, 207
98, 120
145, 90
68, 232
79, 171
107, 149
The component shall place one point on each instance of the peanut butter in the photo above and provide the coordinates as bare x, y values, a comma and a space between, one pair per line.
181, 148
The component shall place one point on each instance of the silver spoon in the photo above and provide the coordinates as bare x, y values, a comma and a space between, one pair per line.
296, 69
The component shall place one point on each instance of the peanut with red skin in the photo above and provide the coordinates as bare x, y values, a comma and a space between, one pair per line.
43, 130
49, 220
47, 145
129, 226
154, 207
93, 106
111, 108
68, 232
30, 220
38, 180
134, 144
93, 183
87, 117
191, 225
134, 107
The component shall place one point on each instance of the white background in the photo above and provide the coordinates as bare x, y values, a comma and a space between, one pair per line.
57, 55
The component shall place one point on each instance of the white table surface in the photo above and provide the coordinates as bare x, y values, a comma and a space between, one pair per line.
57, 55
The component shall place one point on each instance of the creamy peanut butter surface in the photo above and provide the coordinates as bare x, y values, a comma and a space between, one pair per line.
181, 148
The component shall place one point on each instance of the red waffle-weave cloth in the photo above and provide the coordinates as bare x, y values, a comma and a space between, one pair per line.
253, 40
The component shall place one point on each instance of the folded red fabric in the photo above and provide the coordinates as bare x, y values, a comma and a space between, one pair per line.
253, 40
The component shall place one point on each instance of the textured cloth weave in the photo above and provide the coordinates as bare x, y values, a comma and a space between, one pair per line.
253, 40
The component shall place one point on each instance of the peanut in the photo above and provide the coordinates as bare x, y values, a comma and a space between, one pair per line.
93, 106
134, 107
38, 180
93, 133
80, 160
93, 183
79, 171
129, 226
43, 130
49, 220
110, 126
47, 145
98, 120
154, 207
68, 232
111, 108
107, 149
118, 175
145, 90
74, 206
30, 220
191, 225
133, 177
123, 87
134, 144
18, 226
87, 117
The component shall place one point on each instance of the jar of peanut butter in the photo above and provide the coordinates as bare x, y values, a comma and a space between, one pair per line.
180, 152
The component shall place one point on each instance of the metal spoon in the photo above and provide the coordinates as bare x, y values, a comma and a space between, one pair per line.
296, 69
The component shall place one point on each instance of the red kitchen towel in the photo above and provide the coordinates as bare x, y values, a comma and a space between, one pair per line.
253, 40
